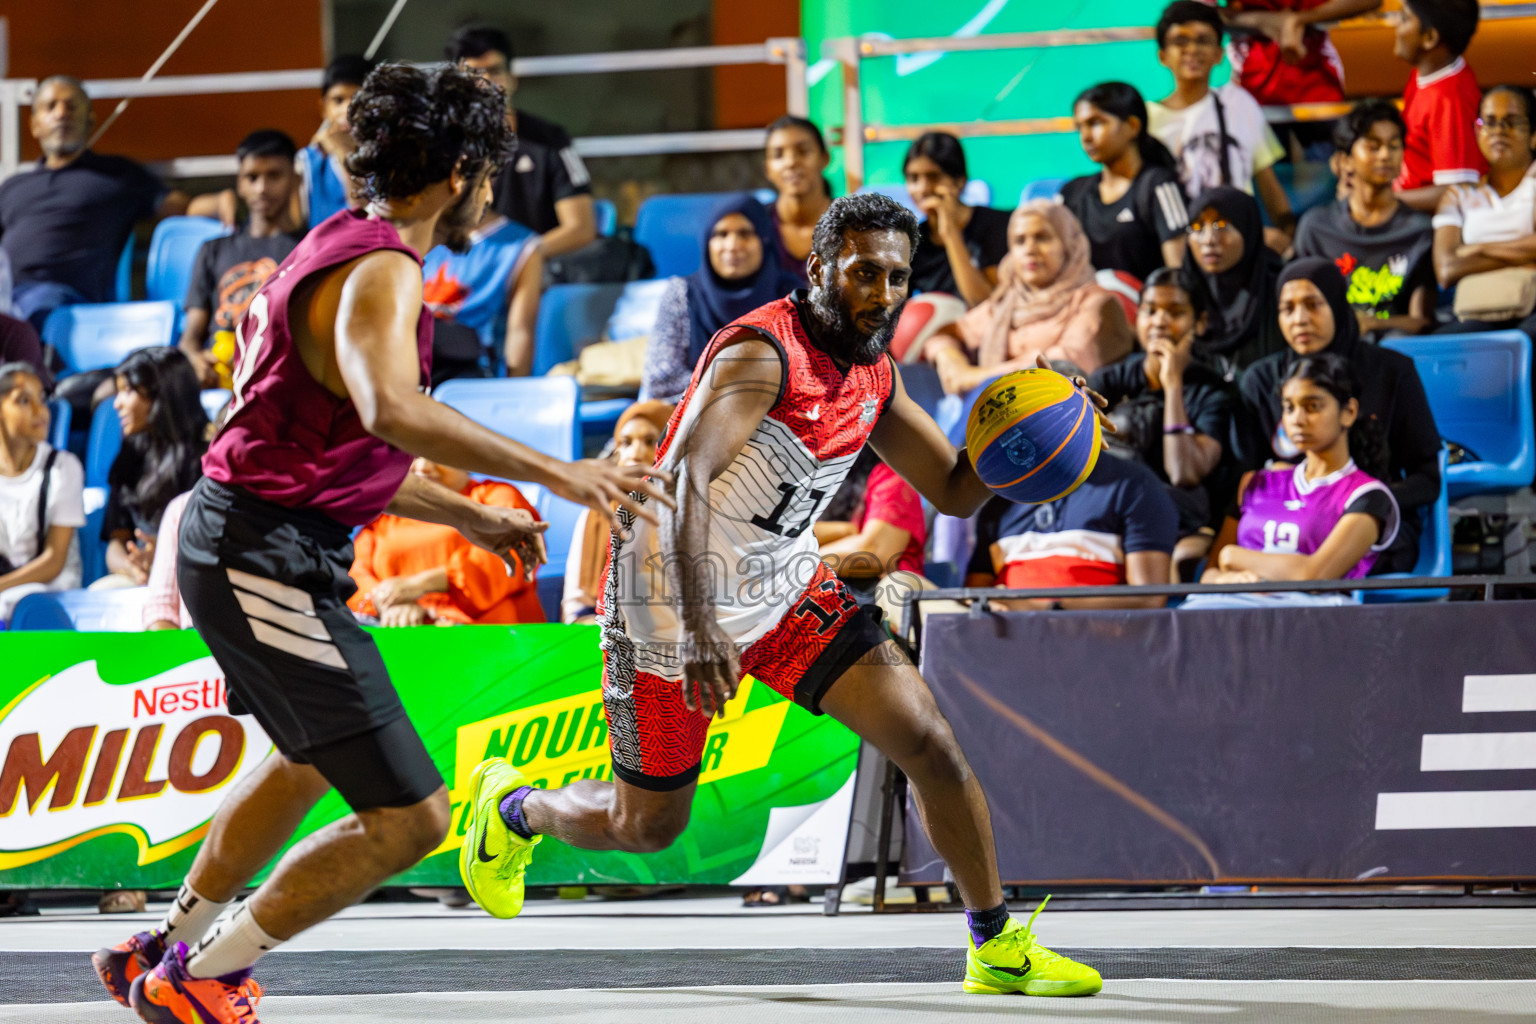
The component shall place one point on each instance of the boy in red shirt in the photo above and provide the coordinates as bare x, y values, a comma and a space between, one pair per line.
1441, 100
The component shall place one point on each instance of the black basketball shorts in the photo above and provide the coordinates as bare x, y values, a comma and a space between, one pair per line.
267, 589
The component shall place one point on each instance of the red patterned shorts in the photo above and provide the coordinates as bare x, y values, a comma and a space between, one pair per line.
658, 744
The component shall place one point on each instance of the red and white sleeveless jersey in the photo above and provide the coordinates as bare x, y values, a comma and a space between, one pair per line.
763, 506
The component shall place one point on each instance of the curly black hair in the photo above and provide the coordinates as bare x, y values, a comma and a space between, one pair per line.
1362, 117
864, 211
416, 125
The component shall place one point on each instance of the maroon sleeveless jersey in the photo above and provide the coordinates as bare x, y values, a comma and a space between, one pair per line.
288, 440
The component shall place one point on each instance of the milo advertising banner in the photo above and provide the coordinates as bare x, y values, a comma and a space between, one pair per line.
118, 748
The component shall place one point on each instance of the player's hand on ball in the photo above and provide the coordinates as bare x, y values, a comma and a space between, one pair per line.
1100, 403
605, 487
711, 669
510, 531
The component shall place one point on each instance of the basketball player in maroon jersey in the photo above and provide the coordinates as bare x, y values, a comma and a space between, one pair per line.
327, 415
780, 404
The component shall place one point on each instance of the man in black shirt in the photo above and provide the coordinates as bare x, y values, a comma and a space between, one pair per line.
64, 223
545, 186
230, 269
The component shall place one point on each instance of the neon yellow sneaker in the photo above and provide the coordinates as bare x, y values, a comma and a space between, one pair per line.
494, 859
1014, 962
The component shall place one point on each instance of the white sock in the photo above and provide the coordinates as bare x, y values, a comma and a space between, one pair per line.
238, 944
191, 916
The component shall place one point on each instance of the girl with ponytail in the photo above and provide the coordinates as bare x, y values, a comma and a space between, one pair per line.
1327, 517
1133, 209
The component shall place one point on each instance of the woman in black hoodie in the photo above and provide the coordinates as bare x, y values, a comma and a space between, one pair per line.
1316, 317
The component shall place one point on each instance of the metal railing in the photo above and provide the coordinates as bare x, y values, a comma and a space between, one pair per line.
788, 51
856, 132
980, 598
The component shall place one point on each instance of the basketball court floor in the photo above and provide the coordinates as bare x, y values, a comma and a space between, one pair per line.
708, 959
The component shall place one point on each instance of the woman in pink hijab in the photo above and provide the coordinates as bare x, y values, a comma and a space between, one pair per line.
1046, 302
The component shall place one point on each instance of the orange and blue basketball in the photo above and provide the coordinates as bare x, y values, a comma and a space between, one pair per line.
1032, 436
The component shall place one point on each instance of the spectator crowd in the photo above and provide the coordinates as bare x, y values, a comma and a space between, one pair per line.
1264, 432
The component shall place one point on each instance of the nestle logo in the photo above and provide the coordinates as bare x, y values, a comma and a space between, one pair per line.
170, 698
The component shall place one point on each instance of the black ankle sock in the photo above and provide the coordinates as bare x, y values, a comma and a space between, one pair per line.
987, 924
512, 812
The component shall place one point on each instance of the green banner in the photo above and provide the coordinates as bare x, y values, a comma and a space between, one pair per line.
118, 748
987, 86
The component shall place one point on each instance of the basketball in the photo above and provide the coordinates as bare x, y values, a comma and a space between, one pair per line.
1032, 436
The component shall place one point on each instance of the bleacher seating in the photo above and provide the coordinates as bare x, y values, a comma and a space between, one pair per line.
59, 416
976, 193
122, 285
1041, 188
540, 412
668, 226
1434, 552
607, 217
1479, 387
105, 441
214, 399
172, 254
87, 611
93, 551
95, 336
572, 316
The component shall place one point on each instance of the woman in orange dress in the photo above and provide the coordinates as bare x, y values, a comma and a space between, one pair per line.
410, 573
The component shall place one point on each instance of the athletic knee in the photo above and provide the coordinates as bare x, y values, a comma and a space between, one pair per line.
934, 756
649, 833
409, 833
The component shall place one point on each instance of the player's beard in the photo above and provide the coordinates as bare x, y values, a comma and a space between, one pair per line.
843, 338
460, 220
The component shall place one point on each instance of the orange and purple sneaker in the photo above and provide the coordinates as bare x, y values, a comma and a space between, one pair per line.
117, 966
170, 995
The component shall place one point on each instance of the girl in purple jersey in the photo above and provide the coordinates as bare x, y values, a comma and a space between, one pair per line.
1323, 518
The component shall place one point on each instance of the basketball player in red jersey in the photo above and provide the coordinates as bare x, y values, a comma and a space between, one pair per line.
328, 413
780, 405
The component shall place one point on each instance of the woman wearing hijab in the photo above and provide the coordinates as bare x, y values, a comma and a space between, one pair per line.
1395, 419
635, 437
1046, 302
1228, 257
741, 271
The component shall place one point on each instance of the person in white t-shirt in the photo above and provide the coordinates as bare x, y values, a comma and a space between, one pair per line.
1219, 136
41, 495
1492, 225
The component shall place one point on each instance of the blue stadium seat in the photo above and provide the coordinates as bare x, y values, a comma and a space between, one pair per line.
59, 415
1042, 188
607, 217
1434, 552
122, 285
541, 412
571, 316
550, 590
669, 227
105, 442
93, 551
172, 253
214, 399
1479, 387
88, 611
95, 336
634, 313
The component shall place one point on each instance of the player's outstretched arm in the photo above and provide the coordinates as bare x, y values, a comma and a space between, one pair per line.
738, 388
379, 367
913, 445
501, 531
